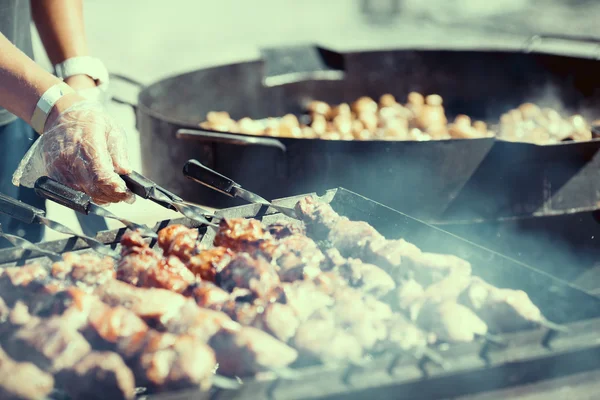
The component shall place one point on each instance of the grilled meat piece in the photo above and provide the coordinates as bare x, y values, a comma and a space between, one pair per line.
405, 335
87, 269
297, 257
146, 303
368, 278
305, 298
243, 235
408, 292
142, 266
22, 283
255, 274
208, 263
365, 317
280, 230
110, 327
280, 320
449, 321
169, 273
390, 254
246, 351
23, 380
181, 242
175, 362
318, 217
196, 321
98, 375
178, 240
136, 258
320, 338
208, 295
351, 237
51, 344
503, 310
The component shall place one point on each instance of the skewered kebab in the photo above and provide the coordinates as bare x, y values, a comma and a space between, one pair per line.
22, 380
359, 239
32, 215
80, 202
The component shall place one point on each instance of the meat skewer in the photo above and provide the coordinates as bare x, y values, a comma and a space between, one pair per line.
23, 380
358, 239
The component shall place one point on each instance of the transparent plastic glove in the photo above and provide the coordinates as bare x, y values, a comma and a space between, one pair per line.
96, 94
84, 148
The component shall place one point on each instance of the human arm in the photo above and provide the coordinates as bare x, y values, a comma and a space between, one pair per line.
80, 146
61, 27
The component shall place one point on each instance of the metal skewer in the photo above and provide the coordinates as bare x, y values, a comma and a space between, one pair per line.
200, 173
18, 241
30, 215
147, 189
82, 203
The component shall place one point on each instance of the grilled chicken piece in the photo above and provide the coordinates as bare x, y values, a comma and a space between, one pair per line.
22, 283
449, 321
174, 362
246, 351
23, 380
320, 338
51, 344
280, 320
255, 274
503, 310
98, 375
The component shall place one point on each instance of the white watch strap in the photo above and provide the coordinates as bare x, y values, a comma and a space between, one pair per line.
84, 65
45, 104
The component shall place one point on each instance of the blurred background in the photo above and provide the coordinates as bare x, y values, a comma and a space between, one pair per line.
149, 40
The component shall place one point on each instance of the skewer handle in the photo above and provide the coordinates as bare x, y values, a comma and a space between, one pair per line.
19, 210
52, 190
200, 173
139, 184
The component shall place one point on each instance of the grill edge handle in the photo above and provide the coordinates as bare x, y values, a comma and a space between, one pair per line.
50, 189
196, 171
19, 210
228, 138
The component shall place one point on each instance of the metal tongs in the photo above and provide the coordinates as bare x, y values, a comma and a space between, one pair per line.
33, 215
147, 189
200, 173
80, 202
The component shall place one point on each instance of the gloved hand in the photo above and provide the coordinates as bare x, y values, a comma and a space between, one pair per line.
84, 148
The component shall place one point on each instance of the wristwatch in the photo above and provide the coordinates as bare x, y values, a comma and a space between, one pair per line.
84, 65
